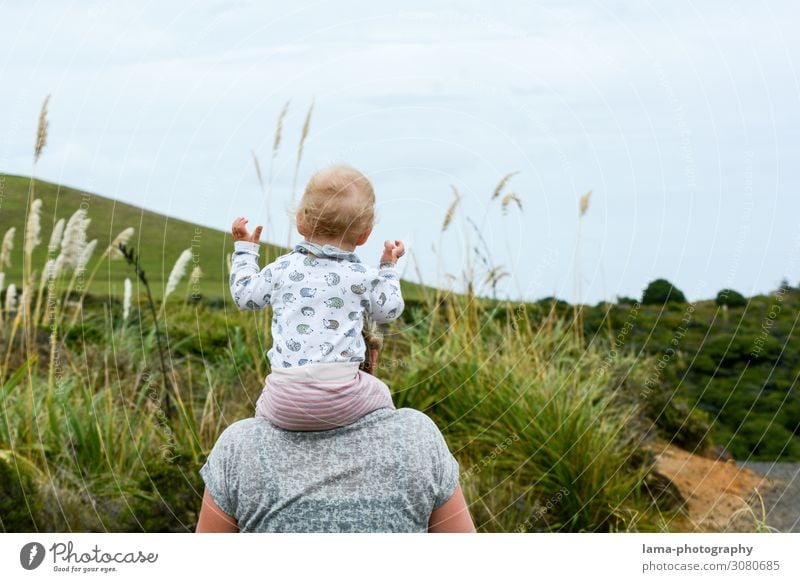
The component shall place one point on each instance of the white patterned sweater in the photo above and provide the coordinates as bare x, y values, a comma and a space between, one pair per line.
317, 303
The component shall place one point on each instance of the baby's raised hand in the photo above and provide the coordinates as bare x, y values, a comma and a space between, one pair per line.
392, 251
239, 231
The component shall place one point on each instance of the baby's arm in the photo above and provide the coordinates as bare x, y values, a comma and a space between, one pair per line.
250, 288
386, 299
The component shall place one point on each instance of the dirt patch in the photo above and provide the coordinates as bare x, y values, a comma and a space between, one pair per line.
719, 494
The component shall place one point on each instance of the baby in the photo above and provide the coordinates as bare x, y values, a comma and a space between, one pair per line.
319, 293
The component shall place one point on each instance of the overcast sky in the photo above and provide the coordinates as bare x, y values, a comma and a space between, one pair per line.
681, 117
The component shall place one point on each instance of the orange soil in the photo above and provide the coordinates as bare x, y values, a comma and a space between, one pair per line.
716, 491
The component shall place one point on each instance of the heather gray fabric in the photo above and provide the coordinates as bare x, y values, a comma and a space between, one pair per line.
386, 472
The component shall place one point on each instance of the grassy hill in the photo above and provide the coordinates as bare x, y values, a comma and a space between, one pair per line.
734, 368
158, 239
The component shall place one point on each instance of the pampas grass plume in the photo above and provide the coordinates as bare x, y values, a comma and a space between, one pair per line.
126, 299
508, 199
33, 228
451, 210
26, 296
276, 142
52, 268
86, 254
41, 131
502, 184
194, 277
8, 246
55, 236
74, 241
178, 271
304, 133
584, 203
11, 298
121, 239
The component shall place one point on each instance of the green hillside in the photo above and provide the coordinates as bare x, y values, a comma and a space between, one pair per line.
159, 239
733, 371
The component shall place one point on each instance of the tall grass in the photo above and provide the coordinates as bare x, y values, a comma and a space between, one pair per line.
85, 435
530, 414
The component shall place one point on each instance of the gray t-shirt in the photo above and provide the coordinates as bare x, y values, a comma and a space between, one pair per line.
386, 472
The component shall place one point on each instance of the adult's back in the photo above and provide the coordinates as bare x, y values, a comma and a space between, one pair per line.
390, 471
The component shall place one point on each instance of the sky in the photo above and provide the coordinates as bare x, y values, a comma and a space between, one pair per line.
680, 117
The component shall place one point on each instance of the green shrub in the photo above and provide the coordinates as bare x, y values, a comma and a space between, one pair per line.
680, 423
20, 498
660, 292
760, 437
622, 300
730, 298
171, 495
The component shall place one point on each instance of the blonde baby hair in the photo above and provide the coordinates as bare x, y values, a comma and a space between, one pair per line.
338, 203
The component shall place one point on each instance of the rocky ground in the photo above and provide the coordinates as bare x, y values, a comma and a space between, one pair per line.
781, 498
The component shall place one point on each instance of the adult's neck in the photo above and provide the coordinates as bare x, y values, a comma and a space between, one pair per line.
344, 245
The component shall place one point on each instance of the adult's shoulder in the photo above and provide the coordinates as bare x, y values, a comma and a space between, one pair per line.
417, 423
257, 432
416, 418
242, 431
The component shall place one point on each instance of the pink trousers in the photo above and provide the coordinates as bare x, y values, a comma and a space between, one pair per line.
320, 396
